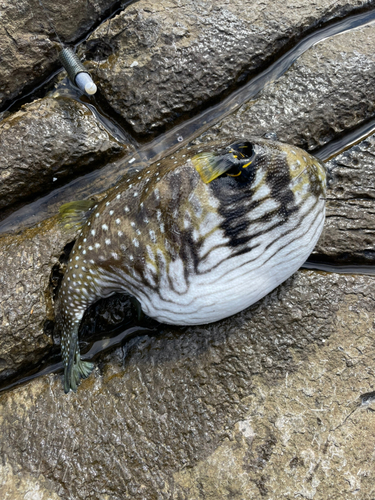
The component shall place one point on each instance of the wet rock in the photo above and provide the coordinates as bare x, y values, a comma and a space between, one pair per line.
266, 401
26, 308
28, 44
15, 484
327, 91
349, 231
306, 436
159, 62
47, 142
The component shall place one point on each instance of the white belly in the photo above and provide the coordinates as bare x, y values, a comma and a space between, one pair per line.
226, 285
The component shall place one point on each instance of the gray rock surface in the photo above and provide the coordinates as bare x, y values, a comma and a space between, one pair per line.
327, 91
25, 290
349, 232
16, 484
262, 405
28, 45
46, 142
160, 61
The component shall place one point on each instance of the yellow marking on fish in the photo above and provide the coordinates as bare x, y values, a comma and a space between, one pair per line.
247, 164
234, 175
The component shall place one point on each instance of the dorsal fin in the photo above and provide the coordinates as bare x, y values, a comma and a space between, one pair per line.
74, 214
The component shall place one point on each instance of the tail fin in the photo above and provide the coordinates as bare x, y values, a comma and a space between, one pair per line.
74, 373
76, 368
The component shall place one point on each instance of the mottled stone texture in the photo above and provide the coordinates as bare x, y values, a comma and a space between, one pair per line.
46, 142
16, 484
262, 405
160, 61
349, 232
28, 45
26, 263
327, 91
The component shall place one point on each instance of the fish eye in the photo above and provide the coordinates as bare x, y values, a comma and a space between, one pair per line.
243, 156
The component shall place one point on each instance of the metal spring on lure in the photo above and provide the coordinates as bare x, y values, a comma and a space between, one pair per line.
77, 72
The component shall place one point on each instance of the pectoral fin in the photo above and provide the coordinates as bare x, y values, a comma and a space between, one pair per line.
210, 165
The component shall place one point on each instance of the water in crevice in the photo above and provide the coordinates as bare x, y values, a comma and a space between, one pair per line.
357, 269
52, 361
66, 89
100, 180
346, 141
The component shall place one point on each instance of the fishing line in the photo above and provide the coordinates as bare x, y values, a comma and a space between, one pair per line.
50, 22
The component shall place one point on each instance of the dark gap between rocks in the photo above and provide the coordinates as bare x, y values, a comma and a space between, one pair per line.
106, 325
345, 140
105, 110
92, 349
343, 265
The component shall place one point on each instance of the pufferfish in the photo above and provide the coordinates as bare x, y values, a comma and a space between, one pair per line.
195, 238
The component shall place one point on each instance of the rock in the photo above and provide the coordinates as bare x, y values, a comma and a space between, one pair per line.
275, 401
265, 402
326, 92
28, 45
17, 485
302, 437
349, 231
26, 309
48, 142
160, 62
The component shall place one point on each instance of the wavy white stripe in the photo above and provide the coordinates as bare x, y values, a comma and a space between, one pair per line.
241, 281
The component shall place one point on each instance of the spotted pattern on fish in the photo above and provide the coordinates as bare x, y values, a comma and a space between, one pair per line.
192, 251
